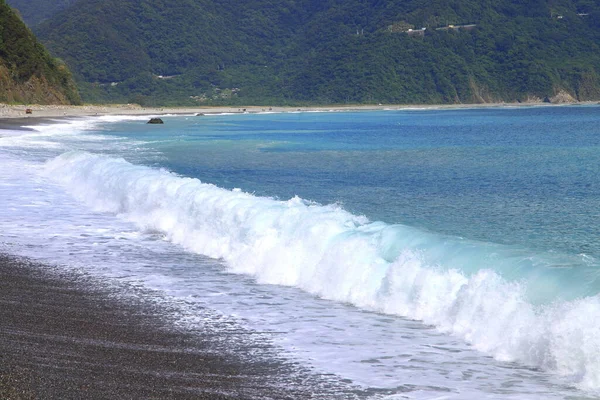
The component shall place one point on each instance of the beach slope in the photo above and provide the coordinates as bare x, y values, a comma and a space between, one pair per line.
64, 336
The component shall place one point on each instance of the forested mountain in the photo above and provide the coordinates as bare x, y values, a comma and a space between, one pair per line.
34, 12
326, 51
28, 74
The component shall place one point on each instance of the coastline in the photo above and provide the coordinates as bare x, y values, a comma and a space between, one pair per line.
37, 379
10, 112
67, 335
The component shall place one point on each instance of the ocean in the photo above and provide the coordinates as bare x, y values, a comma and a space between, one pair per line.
412, 253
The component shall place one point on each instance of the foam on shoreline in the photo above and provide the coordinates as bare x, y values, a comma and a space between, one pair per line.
68, 335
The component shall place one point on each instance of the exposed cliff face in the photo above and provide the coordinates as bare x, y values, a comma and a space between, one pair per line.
28, 74
37, 89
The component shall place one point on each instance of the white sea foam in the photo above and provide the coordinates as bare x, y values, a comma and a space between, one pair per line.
59, 135
459, 287
40, 136
65, 135
62, 127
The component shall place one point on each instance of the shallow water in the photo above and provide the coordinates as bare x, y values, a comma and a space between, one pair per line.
482, 280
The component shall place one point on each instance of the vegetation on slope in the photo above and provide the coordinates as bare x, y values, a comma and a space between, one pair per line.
27, 72
34, 12
328, 51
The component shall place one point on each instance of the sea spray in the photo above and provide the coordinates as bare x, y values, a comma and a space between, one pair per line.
469, 289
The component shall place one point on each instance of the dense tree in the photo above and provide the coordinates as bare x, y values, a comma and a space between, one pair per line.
326, 51
27, 72
38, 11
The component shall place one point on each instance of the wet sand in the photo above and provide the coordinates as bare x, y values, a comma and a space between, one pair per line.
22, 124
68, 336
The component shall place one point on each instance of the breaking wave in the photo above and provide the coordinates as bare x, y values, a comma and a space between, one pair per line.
540, 310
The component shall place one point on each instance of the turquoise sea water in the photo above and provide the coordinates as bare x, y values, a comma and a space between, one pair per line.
511, 176
480, 226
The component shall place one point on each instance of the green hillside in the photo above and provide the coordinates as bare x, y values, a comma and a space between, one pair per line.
34, 12
328, 51
28, 74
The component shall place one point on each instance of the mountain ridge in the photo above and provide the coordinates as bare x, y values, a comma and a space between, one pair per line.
333, 51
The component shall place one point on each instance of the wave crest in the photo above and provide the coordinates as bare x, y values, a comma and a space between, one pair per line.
464, 288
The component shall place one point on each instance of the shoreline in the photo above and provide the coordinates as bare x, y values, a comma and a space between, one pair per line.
70, 335
12, 112
28, 376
